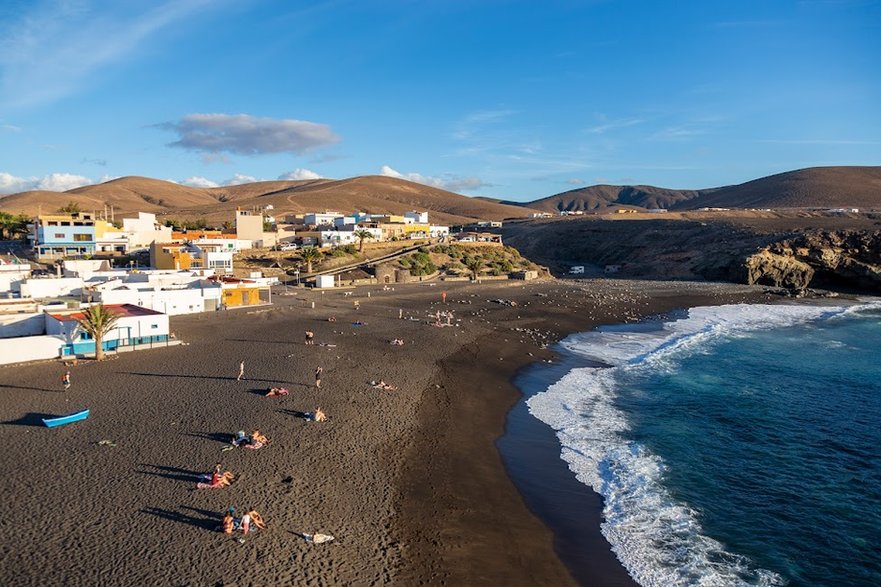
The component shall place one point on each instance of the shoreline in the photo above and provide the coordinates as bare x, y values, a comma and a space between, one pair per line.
411, 483
503, 557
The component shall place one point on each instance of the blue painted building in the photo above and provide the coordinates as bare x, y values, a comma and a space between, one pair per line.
58, 236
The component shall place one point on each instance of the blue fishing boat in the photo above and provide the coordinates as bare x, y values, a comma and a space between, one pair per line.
52, 422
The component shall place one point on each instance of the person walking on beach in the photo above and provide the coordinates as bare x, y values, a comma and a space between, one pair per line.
241, 371
318, 372
65, 380
310, 337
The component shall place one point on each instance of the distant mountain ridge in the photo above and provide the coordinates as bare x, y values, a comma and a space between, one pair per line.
819, 187
813, 187
597, 197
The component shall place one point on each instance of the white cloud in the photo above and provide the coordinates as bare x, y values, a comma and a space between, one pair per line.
239, 179
53, 182
244, 134
448, 182
299, 174
575, 181
51, 48
199, 182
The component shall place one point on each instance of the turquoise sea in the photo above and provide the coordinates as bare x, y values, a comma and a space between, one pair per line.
733, 445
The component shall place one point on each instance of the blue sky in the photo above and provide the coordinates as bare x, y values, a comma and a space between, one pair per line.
510, 99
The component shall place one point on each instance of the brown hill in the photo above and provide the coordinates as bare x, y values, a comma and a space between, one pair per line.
814, 187
126, 195
258, 188
597, 197
376, 194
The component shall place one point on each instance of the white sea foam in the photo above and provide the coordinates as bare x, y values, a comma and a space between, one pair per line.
659, 540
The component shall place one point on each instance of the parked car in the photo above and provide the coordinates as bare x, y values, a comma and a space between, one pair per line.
285, 247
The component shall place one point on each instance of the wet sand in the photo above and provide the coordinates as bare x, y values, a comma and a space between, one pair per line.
410, 482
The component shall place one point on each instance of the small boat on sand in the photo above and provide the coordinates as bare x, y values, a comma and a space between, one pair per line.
52, 422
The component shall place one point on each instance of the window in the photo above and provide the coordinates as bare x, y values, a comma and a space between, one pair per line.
154, 326
65, 223
82, 237
59, 235
52, 223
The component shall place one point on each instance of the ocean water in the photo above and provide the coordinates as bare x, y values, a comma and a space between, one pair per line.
733, 445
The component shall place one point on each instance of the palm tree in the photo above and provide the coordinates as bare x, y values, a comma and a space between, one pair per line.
7, 224
474, 264
311, 255
20, 227
361, 235
97, 320
70, 208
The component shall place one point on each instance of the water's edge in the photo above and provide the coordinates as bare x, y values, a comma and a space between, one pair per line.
530, 451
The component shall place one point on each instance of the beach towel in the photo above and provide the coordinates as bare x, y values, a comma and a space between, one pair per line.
202, 485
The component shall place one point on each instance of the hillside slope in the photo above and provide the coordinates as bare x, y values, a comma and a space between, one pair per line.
598, 197
815, 187
376, 194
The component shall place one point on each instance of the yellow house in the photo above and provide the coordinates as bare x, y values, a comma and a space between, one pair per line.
173, 256
416, 229
241, 296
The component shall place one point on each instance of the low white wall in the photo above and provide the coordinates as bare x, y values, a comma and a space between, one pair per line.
172, 302
29, 348
13, 325
51, 287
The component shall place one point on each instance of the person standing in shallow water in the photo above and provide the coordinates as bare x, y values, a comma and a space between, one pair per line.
241, 371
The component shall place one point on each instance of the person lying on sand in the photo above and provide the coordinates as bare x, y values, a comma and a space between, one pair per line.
383, 385
254, 441
252, 517
277, 391
317, 416
218, 479
228, 523
397, 342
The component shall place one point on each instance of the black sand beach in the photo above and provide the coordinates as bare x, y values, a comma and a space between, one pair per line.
410, 482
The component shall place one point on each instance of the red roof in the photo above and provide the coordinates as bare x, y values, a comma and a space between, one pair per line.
121, 310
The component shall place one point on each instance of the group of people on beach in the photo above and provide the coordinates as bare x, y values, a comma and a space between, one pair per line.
231, 522
217, 479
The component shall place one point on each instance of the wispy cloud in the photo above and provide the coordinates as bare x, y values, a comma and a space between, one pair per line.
683, 132
52, 48
53, 182
819, 142
576, 181
739, 24
449, 182
471, 124
244, 134
101, 162
614, 125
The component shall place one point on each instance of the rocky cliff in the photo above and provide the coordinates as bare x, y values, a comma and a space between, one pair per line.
780, 256
850, 259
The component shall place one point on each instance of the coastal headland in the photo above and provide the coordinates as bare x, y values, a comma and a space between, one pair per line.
409, 481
